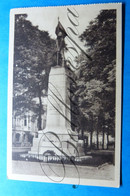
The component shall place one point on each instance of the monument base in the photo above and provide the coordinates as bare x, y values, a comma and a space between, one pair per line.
53, 143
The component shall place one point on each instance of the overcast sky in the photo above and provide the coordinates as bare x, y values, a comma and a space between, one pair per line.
47, 18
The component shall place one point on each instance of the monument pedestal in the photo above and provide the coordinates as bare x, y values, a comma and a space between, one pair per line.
57, 137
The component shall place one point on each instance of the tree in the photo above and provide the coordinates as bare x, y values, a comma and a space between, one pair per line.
95, 87
33, 57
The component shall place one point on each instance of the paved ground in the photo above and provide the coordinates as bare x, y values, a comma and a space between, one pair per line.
105, 171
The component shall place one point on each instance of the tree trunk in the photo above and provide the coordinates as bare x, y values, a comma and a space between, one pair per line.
91, 137
97, 134
103, 139
40, 113
107, 139
91, 133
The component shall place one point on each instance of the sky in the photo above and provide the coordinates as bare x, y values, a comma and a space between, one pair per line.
47, 19
78, 18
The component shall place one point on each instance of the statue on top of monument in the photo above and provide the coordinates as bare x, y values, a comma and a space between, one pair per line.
61, 34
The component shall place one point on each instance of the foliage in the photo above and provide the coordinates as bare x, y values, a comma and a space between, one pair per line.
33, 57
95, 80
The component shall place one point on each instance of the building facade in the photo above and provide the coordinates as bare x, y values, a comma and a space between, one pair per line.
25, 127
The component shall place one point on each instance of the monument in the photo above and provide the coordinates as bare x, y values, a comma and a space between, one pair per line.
58, 138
